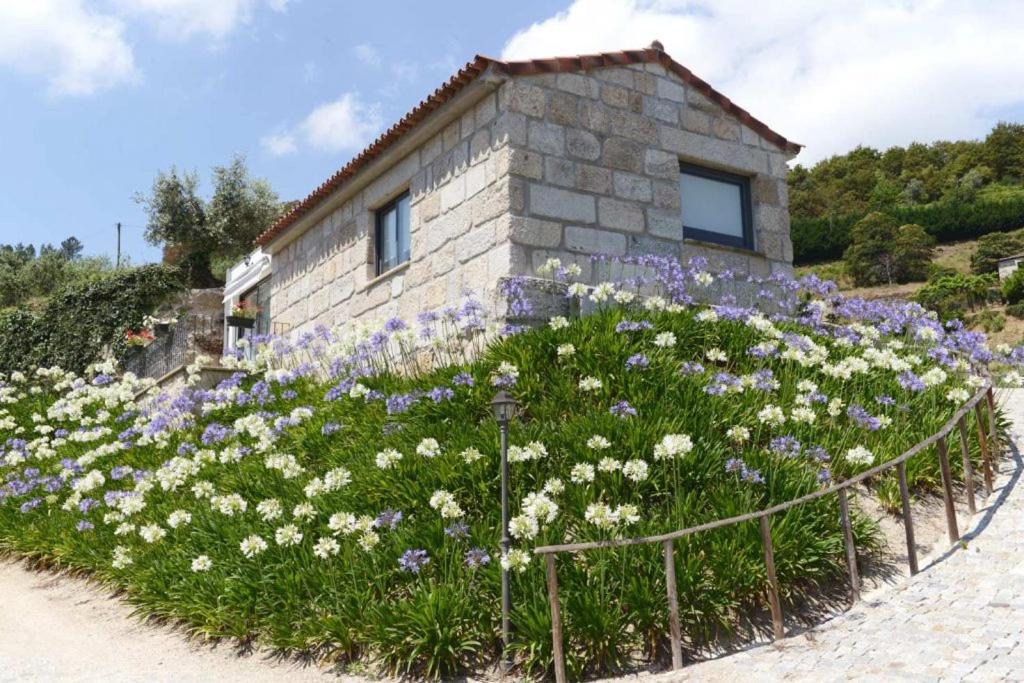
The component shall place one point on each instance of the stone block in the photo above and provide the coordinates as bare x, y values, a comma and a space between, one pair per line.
548, 138
633, 126
596, 179
670, 89
631, 186
617, 75
485, 111
453, 193
479, 145
665, 223
623, 154
578, 84
713, 151
535, 232
696, 121
644, 244
698, 100
509, 128
526, 98
764, 189
526, 163
725, 128
594, 116
661, 164
749, 137
663, 110
476, 179
592, 241
581, 144
451, 135
666, 194
494, 201
475, 242
556, 203
562, 109
773, 219
612, 213
558, 171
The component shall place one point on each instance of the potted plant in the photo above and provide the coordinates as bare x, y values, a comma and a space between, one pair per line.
137, 339
159, 325
243, 315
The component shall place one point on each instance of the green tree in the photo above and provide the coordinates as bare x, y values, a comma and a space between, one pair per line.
991, 248
196, 233
1004, 151
869, 259
912, 250
1013, 287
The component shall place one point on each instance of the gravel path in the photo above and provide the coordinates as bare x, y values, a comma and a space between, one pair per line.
55, 628
961, 618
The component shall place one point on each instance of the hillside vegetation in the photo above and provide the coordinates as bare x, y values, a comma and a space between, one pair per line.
342, 499
954, 190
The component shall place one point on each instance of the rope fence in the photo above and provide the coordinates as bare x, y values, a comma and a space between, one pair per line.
989, 443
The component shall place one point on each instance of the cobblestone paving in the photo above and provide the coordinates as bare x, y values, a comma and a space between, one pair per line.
962, 618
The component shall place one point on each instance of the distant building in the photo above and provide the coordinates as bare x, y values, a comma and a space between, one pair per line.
1008, 265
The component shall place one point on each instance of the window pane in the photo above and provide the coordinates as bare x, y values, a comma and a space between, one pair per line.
711, 205
389, 233
402, 207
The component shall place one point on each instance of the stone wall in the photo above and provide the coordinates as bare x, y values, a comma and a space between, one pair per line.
595, 168
459, 221
563, 165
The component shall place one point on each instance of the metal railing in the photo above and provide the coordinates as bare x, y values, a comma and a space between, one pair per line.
763, 517
193, 335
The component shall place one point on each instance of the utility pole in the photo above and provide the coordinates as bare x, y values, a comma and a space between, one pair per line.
118, 244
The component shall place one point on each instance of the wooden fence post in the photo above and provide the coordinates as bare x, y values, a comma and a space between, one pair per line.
990, 399
556, 619
965, 452
947, 491
673, 606
851, 550
983, 441
908, 519
773, 582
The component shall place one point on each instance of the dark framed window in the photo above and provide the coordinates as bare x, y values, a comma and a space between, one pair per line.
391, 242
716, 206
259, 298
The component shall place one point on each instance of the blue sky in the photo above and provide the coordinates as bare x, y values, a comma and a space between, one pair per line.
101, 94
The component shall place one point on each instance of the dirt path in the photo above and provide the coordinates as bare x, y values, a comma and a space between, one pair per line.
56, 628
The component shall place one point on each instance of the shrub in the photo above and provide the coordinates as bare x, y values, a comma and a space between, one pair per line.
989, 320
1013, 287
1016, 310
78, 324
993, 247
882, 252
952, 295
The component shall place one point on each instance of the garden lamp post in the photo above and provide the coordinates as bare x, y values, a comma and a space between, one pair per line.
504, 407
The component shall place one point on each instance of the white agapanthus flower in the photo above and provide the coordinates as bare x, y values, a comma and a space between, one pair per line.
471, 455
665, 340
803, 415
934, 377
428, 448
388, 458
590, 384
203, 489
202, 563
601, 515
368, 540
445, 503
738, 434
703, 278
122, 557
582, 473
602, 292
673, 446
708, 315
716, 355
554, 486
565, 350
835, 407
152, 533
326, 547
534, 450
288, 534
523, 527
304, 511
251, 546
179, 518
516, 560
609, 465
598, 443
559, 322
269, 509
958, 396
771, 415
858, 455
635, 470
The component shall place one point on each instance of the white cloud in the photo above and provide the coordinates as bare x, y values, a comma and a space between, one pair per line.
182, 19
279, 5
367, 54
77, 51
279, 144
829, 75
344, 125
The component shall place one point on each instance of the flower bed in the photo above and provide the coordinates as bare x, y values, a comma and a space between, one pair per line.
358, 515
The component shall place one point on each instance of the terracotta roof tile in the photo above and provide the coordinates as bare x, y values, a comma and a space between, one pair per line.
472, 70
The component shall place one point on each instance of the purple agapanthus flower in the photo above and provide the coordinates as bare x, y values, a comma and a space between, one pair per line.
84, 525
477, 557
863, 418
623, 409
786, 446
885, 400
457, 530
330, 428
215, 433
691, 368
633, 326
910, 381
637, 361
463, 379
413, 561
388, 518
439, 394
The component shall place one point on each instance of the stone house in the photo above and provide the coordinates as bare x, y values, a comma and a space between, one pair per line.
512, 162
1009, 265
